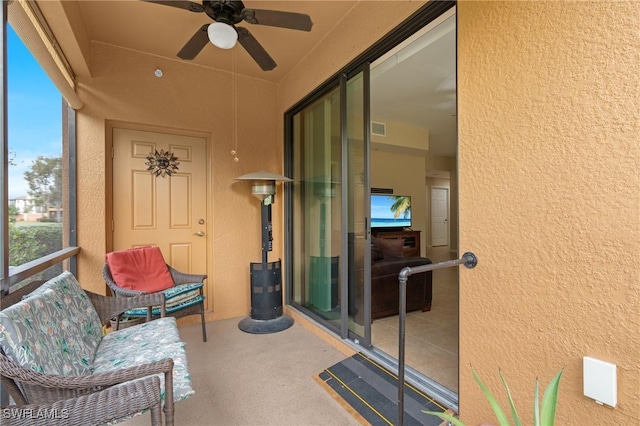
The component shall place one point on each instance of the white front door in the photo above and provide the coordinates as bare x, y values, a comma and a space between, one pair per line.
439, 216
167, 211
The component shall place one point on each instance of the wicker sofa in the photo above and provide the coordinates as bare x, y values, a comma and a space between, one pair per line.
53, 348
113, 403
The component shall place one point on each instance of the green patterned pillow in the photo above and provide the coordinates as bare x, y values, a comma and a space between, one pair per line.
41, 334
69, 293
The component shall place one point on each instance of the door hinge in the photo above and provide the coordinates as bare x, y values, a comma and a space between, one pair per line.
113, 225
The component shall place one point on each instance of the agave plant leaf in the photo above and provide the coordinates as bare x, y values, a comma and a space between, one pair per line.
550, 401
447, 417
502, 418
543, 415
514, 413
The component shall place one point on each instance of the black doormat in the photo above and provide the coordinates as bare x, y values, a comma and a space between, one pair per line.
370, 392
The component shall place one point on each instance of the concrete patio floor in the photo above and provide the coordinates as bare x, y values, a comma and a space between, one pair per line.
250, 379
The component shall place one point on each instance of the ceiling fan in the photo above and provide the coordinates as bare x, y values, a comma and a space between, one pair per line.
224, 33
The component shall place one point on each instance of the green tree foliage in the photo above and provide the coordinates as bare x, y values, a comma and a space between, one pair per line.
45, 181
12, 157
401, 206
27, 243
13, 212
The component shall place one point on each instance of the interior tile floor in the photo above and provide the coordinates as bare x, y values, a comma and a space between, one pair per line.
431, 339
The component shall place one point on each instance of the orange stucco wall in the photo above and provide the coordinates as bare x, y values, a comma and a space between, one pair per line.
549, 200
186, 99
548, 101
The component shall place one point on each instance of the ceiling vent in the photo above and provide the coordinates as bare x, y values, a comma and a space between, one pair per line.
378, 129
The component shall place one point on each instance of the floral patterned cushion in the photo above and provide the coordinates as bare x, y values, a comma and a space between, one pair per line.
41, 334
144, 343
83, 316
178, 297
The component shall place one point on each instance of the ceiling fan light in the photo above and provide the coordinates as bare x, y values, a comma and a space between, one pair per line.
222, 35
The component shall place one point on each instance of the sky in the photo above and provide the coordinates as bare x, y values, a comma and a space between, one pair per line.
381, 207
34, 113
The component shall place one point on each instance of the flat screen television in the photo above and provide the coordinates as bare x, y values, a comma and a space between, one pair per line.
390, 211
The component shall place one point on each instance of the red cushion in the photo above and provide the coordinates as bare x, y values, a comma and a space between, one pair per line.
142, 269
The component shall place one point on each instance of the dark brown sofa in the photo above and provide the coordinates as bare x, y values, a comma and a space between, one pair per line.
385, 291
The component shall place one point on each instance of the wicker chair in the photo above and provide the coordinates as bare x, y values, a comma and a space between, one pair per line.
57, 391
194, 306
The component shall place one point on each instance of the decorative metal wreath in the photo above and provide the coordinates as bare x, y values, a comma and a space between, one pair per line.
162, 163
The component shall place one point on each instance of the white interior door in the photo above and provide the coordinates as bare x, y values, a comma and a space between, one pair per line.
439, 216
167, 211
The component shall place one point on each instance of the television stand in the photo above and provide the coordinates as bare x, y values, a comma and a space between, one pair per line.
411, 240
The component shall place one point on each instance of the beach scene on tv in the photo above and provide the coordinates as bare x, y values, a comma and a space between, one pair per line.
390, 211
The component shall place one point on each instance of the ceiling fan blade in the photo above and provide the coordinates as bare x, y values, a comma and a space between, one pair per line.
195, 44
255, 49
181, 4
276, 18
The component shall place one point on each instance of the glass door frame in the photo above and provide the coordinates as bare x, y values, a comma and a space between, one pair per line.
346, 331
327, 88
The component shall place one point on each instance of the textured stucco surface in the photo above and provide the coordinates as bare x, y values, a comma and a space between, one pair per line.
191, 100
549, 200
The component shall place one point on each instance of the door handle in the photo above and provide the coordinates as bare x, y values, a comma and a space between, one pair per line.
199, 234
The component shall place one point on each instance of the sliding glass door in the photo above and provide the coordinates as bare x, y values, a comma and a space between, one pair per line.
317, 208
355, 143
406, 86
329, 210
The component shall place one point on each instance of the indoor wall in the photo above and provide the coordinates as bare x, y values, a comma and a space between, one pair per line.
400, 137
547, 94
405, 175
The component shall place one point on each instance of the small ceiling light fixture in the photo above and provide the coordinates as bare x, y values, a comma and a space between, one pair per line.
158, 73
222, 35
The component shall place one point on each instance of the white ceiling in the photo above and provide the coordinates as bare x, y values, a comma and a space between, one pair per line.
416, 85
418, 90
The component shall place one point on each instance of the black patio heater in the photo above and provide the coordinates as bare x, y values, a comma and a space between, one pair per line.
266, 277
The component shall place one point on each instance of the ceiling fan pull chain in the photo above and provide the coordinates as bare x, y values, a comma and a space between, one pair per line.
234, 80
